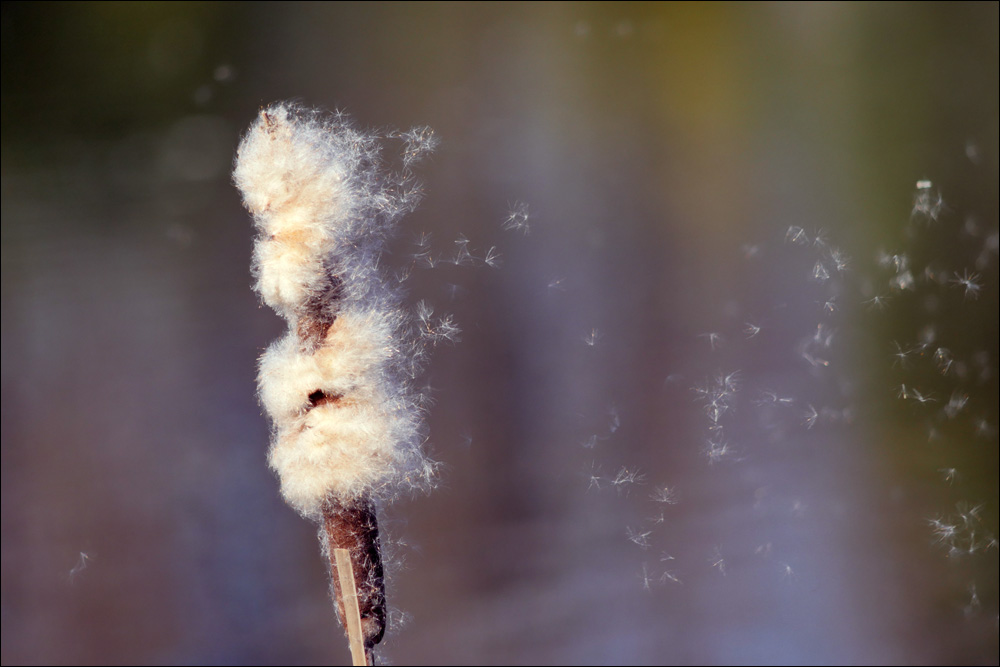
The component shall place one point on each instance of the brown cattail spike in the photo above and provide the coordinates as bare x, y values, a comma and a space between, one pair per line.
353, 526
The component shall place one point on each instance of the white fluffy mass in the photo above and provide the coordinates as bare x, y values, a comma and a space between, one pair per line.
337, 386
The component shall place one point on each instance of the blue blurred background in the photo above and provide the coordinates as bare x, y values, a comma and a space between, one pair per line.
689, 173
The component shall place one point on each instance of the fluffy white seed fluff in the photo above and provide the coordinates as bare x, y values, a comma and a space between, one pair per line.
337, 385
355, 352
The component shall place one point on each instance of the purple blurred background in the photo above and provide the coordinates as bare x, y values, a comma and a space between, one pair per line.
663, 154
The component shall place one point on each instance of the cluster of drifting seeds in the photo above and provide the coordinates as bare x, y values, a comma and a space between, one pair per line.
944, 364
939, 370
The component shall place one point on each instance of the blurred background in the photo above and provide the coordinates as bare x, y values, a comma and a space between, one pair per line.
730, 398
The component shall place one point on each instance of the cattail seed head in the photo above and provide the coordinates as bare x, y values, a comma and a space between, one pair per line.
346, 421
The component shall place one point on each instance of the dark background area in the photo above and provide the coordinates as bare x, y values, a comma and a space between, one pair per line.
663, 153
